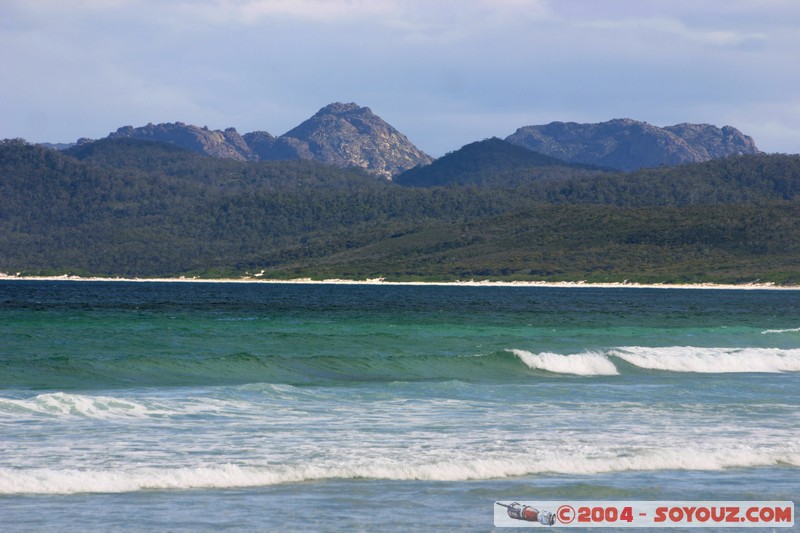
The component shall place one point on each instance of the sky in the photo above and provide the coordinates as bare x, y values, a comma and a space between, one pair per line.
443, 72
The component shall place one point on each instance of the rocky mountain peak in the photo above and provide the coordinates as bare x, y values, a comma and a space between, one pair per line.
338, 108
629, 144
349, 135
339, 134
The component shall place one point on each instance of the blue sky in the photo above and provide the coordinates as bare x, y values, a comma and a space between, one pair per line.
444, 72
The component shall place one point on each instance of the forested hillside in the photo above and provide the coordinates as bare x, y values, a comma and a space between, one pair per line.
122, 207
491, 162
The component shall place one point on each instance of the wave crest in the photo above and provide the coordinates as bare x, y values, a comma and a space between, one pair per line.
71, 481
772, 331
711, 360
669, 358
582, 364
61, 404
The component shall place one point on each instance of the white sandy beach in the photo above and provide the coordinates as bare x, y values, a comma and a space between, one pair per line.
382, 281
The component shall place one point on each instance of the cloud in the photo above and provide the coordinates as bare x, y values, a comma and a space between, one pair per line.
676, 29
443, 71
334, 11
249, 12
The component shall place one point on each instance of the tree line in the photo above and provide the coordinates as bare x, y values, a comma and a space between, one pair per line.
132, 208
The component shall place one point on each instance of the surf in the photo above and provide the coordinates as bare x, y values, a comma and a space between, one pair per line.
512, 364
225, 476
682, 359
579, 364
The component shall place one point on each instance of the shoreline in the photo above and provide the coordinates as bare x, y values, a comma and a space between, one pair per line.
382, 281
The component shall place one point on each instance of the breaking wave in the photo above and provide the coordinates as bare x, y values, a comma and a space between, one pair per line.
580, 364
670, 359
242, 368
772, 331
711, 360
70, 481
66, 405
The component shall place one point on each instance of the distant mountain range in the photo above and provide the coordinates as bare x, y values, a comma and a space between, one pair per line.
348, 135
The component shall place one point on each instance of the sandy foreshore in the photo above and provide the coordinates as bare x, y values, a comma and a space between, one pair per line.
381, 281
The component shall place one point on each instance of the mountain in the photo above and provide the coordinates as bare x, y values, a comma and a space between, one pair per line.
491, 161
627, 144
343, 135
349, 135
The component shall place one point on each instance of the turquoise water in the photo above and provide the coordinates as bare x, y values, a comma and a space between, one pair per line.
284, 407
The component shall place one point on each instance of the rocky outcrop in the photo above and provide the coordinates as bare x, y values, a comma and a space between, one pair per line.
344, 135
714, 142
260, 143
629, 144
350, 135
227, 144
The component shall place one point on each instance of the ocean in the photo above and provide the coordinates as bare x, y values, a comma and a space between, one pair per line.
167, 406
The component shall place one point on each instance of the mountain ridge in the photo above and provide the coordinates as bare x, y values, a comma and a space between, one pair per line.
339, 134
346, 134
628, 144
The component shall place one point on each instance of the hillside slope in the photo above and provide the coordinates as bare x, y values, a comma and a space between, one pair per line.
135, 208
489, 162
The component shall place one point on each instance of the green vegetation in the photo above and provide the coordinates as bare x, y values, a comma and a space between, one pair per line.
491, 162
133, 208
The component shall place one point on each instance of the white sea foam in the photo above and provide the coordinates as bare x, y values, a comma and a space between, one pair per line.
669, 358
70, 481
771, 331
710, 360
66, 405
61, 404
581, 364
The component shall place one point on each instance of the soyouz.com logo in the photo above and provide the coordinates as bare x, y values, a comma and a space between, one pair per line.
644, 514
